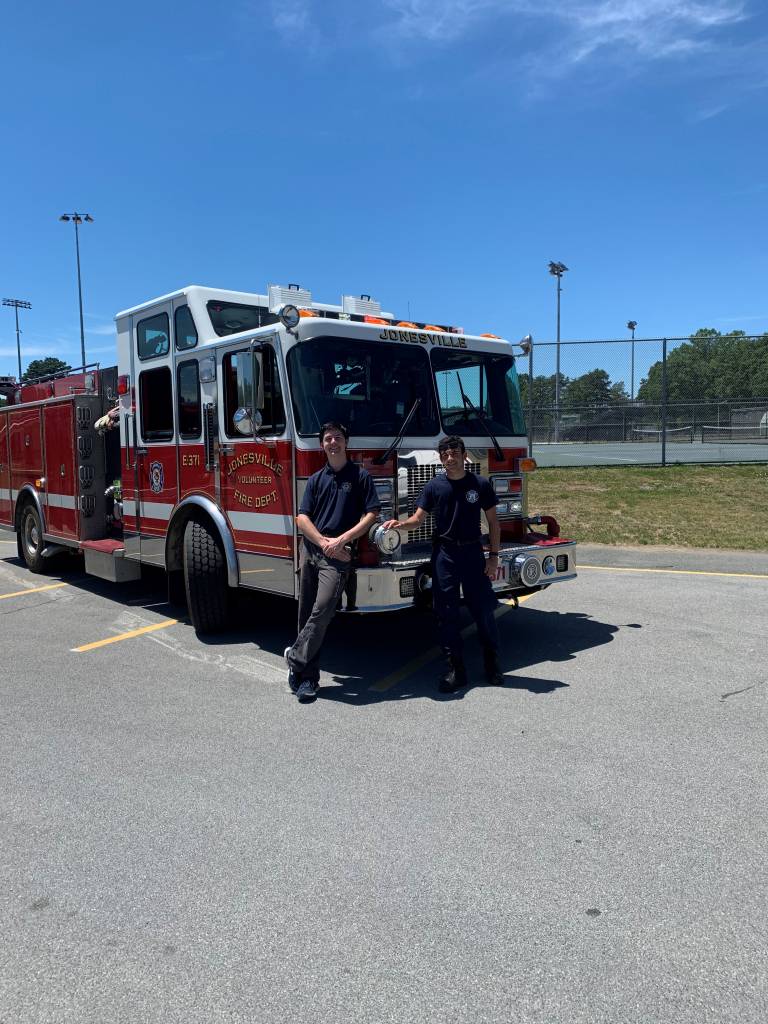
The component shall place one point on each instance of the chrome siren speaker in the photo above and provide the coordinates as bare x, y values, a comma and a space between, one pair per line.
528, 569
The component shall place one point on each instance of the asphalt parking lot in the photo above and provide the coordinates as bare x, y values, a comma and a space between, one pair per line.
181, 841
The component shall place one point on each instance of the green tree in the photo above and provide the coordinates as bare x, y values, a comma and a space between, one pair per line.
543, 390
43, 367
711, 366
594, 388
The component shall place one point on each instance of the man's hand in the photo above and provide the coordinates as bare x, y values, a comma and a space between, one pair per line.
492, 567
334, 548
392, 524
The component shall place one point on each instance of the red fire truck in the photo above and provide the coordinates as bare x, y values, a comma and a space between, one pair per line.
192, 453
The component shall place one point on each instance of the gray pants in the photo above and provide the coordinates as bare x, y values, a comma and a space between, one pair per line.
321, 582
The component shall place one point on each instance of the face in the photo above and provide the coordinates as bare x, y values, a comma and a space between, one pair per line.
334, 443
452, 458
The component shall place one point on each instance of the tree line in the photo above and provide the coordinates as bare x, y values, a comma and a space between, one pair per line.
709, 367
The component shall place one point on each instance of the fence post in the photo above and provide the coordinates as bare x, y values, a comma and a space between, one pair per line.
530, 401
664, 403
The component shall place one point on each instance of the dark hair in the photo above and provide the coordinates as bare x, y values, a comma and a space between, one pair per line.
333, 425
454, 441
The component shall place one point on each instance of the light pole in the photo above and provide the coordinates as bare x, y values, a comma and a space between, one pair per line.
557, 270
79, 218
632, 324
17, 305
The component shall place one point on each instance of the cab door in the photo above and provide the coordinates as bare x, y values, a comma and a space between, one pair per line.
5, 473
154, 426
256, 461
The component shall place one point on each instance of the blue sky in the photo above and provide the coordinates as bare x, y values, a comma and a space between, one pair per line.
436, 155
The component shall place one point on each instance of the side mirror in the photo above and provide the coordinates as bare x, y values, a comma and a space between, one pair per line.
245, 423
526, 344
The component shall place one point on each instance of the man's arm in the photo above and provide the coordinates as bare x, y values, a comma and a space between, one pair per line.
336, 544
494, 535
308, 528
405, 524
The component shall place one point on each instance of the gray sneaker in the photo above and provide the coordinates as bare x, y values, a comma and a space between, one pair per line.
294, 681
307, 691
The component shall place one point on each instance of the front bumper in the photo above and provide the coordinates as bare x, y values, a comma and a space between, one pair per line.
403, 583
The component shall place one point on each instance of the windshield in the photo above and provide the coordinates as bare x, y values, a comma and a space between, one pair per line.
368, 386
490, 383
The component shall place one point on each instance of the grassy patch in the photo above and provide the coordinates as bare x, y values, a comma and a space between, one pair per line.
686, 506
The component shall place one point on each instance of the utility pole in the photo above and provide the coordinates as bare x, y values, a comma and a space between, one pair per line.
17, 305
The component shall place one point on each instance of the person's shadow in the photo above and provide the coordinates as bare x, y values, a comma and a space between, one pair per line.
529, 637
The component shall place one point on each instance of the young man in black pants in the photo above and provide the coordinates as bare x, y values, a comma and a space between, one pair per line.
339, 505
458, 562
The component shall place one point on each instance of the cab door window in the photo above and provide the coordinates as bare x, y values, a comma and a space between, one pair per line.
156, 404
238, 391
188, 391
184, 328
153, 336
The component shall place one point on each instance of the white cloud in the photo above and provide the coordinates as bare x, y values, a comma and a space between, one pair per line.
650, 28
291, 17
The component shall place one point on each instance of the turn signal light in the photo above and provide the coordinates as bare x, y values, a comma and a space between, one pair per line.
308, 312
432, 327
40, 483
374, 320
489, 336
527, 465
407, 323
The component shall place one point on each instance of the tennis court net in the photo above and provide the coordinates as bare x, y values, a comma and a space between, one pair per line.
675, 435
716, 434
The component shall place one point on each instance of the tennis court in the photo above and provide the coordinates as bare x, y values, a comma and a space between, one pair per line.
704, 443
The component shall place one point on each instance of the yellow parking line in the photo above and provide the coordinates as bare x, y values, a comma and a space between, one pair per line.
434, 652
678, 572
33, 590
125, 636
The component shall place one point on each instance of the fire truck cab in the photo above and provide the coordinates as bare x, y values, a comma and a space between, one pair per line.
192, 454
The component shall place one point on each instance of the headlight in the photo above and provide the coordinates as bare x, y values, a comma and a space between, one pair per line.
387, 541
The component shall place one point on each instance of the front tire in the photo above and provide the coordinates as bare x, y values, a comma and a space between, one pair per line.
205, 578
30, 539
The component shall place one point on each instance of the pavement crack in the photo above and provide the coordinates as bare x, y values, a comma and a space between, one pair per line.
733, 693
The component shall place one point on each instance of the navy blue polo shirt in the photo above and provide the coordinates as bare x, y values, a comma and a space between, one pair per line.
337, 501
456, 505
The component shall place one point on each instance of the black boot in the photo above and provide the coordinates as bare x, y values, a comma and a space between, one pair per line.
493, 671
456, 676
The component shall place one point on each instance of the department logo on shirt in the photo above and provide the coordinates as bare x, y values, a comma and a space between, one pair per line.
346, 487
472, 496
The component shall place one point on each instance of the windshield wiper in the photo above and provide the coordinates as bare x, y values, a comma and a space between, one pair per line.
468, 402
381, 459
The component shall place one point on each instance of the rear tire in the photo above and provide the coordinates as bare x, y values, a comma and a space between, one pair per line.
30, 539
205, 578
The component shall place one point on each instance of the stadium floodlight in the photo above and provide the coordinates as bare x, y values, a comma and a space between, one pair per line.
557, 270
79, 218
17, 305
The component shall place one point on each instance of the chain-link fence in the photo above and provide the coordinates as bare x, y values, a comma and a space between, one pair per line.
703, 398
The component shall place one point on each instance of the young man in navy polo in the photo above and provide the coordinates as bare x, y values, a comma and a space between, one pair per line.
339, 505
458, 561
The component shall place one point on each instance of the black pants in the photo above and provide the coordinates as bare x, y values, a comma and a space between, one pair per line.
456, 569
321, 582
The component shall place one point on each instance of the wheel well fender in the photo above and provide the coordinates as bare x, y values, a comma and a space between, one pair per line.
198, 507
28, 496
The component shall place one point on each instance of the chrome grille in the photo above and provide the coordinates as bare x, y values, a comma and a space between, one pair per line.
418, 477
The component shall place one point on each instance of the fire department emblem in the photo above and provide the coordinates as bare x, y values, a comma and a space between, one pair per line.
472, 496
346, 487
156, 476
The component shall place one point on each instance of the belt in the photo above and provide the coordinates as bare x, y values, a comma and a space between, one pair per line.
458, 543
